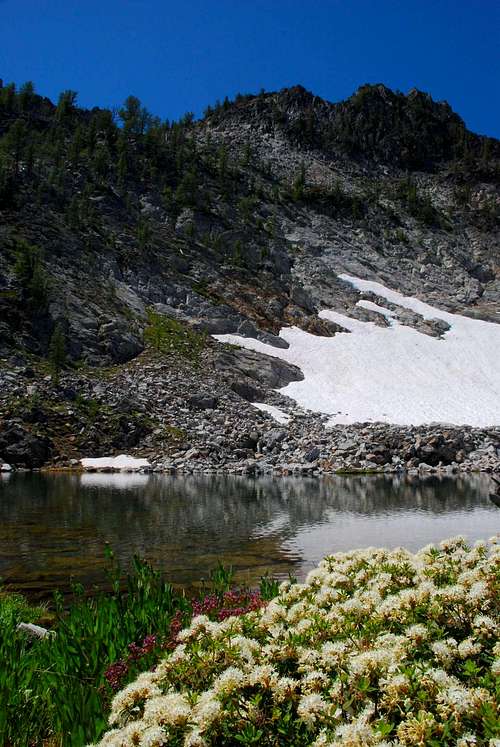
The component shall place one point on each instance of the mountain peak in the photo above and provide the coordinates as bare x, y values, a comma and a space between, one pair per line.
375, 123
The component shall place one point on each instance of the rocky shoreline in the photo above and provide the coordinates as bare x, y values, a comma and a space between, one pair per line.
187, 419
363, 449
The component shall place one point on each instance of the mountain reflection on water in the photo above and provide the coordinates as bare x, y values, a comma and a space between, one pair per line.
55, 527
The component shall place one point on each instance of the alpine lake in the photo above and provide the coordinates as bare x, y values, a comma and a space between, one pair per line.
55, 528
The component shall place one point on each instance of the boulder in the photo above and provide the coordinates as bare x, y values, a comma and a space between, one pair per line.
35, 631
203, 402
274, 340
119, 342
274, 437
249, 441
248, 329
264, 369
312, 454
247, 391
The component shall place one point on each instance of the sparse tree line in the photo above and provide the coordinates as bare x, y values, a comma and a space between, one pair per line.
67, 154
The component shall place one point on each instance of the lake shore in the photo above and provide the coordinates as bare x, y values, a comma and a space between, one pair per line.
207, 419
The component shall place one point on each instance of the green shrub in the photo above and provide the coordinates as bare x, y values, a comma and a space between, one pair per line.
418, 204
15, 609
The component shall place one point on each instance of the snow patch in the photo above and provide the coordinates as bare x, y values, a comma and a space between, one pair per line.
394, 374
121, 463
276, 413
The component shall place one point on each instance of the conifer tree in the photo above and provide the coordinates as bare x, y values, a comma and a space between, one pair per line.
16, 140
135, 117
26, 96
299, 183
65, 105
57, 350
31, 275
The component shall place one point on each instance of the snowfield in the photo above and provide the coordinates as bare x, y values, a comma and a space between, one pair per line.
394, 374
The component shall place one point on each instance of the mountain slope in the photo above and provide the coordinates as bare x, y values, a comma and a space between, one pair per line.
239, 223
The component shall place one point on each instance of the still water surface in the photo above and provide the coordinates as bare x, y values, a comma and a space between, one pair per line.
54, 528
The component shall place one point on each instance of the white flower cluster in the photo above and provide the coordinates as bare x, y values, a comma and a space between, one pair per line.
377, 647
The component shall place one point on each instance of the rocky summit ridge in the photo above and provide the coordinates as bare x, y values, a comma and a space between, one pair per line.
126, 242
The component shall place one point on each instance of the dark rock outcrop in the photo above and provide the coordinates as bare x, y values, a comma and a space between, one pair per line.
21, 448
263, 369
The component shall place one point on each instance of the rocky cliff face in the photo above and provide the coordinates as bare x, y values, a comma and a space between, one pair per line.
238, 223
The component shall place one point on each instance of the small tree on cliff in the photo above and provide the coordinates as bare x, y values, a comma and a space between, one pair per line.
57, 351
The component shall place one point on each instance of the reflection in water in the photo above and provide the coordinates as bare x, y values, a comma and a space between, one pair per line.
126, 480
53, 527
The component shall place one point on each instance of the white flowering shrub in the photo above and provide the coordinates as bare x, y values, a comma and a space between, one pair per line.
377, 647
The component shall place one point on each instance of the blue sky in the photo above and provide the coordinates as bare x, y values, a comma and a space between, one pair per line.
181, 56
